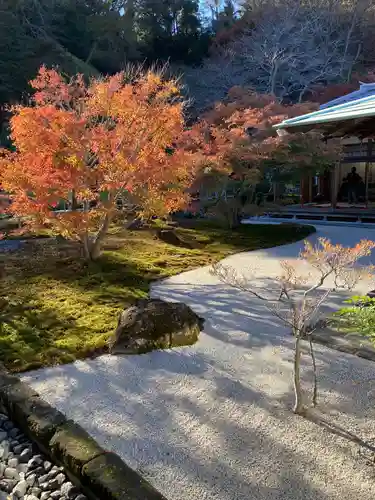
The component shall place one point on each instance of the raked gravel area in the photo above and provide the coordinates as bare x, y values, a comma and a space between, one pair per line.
213, 421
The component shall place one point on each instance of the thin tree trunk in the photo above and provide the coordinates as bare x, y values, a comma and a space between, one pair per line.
315, 391
298, 402
96, 246
86, 246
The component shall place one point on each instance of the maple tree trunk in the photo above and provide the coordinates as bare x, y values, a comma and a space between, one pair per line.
298, 402
315, 391
96, 246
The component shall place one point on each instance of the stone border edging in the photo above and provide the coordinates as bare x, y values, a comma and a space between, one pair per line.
100, 474
350, 347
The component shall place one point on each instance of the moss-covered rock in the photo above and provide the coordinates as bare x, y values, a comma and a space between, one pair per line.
110, 478
38, 419
155, 324
74, 447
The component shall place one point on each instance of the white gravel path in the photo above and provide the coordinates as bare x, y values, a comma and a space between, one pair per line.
213, 421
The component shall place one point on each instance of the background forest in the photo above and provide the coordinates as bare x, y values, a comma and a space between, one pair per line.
289, 49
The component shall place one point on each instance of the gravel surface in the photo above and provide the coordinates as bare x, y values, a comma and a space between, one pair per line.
213, 421
27, 475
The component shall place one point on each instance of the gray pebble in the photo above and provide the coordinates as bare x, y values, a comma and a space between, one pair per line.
56, 494
68, 489
7, 425
36, 492
2, 469
20, 489
3, 417
14, 432
38, 471
4, 450
23, 468
53, 484
31, 497
7, 484
45, 495
26, 454
44, 486
47, 466
3, 435
18, 448
31, 479
43, 479
52, 473
58, 469
13, 462
34, 462
11, 473
61, 478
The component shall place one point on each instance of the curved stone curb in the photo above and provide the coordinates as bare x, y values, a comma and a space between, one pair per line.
100, 474
345, 343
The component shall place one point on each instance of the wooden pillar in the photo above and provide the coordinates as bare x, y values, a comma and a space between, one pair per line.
310, 188
335, 184
305, 189
369, 155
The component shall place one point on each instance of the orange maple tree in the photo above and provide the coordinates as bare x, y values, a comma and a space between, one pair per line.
246, 144
90, 145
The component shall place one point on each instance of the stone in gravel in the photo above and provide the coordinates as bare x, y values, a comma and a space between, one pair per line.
44, 486
47, 466
8, 425
11, 473
20, 489
4, 450
56, 494
36, 492
31, 497
23, 468
81, 497
18, 448
7, 484
31, 479
26, 455
34, 462
45, 495
52, 473
3, 418
39, 471
13, 462
61, 478
69, 490
14, 432
2, 469
43, 479
57, 469
53, 484
3, 435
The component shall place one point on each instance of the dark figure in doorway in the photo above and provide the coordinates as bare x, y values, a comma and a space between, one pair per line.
353, 180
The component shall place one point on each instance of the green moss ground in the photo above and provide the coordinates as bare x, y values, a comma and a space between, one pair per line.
64, 309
